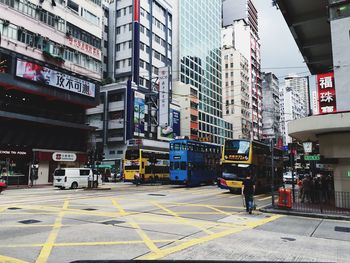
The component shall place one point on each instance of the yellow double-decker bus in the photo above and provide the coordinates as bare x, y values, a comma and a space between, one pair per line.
243, 157
148, 165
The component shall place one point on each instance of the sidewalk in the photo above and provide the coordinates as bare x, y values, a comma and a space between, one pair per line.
13, 187
295, 212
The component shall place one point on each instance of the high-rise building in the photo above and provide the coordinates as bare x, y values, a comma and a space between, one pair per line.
240, 30
236, 95
50, 66
138, 47
293, 102
139, 39
197, 69
271, 106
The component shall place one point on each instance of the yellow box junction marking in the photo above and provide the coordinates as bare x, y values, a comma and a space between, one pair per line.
149, 243
165, 252
4, 259
46, 249
181, 219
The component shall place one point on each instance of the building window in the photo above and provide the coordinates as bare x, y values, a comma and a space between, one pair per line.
72, 5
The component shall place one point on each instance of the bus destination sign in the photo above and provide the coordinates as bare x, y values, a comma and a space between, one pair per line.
236, 157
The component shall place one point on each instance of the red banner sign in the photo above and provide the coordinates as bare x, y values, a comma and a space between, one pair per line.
326, 93
93, 51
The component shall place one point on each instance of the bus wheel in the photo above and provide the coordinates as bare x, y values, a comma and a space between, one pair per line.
233, 191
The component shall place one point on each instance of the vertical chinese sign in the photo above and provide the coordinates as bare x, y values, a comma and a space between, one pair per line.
326, 93
163, 97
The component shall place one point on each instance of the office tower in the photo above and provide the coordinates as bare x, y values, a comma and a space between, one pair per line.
197, 71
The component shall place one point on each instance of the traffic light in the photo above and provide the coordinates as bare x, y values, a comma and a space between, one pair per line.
90, 157
100, 156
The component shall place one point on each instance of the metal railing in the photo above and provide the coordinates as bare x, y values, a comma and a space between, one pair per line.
324, 202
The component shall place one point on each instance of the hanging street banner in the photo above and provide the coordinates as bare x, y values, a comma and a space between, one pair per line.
44, 75
326, 93
139, 114
163, 97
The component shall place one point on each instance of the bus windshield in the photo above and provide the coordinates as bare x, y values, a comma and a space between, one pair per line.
237, 149
234, 171
132, 154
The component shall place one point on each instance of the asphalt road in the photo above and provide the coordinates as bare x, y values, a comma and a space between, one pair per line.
158, 222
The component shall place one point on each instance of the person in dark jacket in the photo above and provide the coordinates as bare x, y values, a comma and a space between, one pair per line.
248, 189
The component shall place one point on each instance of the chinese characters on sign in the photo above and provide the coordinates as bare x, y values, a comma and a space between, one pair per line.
326, 93
163, 97
93, 51
45, 75
64, 157
236, 157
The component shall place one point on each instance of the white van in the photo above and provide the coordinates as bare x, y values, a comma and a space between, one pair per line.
74, 178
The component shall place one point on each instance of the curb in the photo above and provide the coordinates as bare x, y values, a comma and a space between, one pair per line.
303, 214
98, 189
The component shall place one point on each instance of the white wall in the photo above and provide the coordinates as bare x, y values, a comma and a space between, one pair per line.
341, 59
43, 173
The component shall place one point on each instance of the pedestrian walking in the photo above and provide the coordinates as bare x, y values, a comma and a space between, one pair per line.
317, 189
324, 189
301, 188
306, 189
32, 177
137, 179
248, 189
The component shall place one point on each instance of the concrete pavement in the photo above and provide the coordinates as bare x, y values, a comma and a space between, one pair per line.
157, 222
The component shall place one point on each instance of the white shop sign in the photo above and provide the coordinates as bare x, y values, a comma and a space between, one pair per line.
64, 157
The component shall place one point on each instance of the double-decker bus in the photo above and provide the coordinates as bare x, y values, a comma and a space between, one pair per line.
150, 166
243, 157
194, 163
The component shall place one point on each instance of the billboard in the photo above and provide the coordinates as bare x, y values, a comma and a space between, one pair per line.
163, 97
173, 129
139, 114
326, 93
44, 75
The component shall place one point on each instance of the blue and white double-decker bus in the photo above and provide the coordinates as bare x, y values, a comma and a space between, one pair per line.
194, 163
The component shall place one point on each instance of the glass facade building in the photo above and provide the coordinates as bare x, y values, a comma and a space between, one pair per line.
199, 63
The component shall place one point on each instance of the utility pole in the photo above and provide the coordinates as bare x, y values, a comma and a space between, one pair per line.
272, 174
292, 169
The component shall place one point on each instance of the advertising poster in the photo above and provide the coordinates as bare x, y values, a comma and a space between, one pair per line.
326, 93
139, 114
169, 133
41, 74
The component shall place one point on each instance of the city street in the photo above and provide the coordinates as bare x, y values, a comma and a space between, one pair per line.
158, 222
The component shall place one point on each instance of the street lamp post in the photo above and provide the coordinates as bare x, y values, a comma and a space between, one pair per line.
272, 173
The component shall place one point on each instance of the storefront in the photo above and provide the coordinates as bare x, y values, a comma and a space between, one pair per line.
48, 160
14, 164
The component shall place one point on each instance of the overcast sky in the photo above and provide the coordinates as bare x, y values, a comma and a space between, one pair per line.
278, 48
